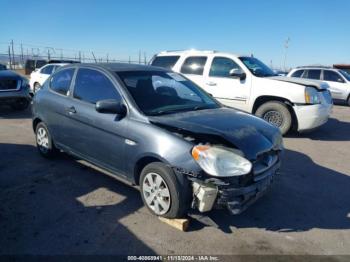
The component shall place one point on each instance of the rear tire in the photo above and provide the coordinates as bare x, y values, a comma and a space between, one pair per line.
348, 101
44, 141
277, 114
161, 192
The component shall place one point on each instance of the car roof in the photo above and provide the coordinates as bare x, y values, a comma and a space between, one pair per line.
196, 52
315, 68
9, 74
120, 67
57, 64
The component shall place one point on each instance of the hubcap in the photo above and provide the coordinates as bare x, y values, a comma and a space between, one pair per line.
42, 139
274, 117
156, 193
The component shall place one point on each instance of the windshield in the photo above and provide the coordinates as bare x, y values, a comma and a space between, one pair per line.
159, 92
257, 67
345, 74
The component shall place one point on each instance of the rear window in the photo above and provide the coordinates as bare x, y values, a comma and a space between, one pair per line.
297, 73
165, 61
194, 65
60, 82
313, 74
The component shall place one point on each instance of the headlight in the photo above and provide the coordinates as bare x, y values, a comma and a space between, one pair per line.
311, 96
221, 161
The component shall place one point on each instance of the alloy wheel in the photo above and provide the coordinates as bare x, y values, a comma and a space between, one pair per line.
156, 193
42, 139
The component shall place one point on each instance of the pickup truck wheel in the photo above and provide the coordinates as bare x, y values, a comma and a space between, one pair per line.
160, 191
20, 104
44, 141
348, 101
277, 114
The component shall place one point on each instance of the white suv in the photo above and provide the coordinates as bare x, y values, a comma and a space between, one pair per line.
40, 75
247, 84
338, 80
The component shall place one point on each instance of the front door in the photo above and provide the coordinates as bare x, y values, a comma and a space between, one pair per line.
96, 136
337, 85
230, 91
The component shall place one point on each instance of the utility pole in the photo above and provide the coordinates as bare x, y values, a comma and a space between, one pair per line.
10, 57
22, 56
107, 58
139, 56
13, 55
48, 54
144, 58
129, 60
79, 56
286, 45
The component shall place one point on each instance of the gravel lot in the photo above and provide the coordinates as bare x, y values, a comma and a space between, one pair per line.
64, 207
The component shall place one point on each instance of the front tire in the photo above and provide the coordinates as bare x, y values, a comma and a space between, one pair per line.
277, 114
161, 192
44, 141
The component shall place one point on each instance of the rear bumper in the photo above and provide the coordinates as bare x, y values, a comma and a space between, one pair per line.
312, 116
9, 96
236, 200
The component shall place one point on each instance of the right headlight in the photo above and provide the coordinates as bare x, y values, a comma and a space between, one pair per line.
312, 96
221, 161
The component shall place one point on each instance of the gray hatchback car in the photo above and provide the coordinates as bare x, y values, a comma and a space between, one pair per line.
160, 131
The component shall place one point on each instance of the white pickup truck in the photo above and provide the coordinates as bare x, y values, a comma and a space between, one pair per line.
245, 83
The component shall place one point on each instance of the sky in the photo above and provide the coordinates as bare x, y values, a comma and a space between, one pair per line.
318, 30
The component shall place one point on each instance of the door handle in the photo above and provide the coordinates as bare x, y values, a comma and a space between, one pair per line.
211, 83
71, 110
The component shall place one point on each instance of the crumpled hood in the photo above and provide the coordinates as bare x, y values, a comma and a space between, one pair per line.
248, 133
302, 81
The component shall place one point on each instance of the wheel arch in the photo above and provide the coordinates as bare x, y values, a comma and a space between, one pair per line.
141, 163
264, 99
36, 121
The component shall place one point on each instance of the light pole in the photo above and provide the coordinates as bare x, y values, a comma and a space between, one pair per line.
286, 45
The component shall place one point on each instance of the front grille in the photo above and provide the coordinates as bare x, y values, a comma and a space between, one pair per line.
9, 84
263, 163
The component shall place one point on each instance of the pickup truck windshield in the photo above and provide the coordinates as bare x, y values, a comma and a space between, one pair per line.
345, 74
160, 92
257, 67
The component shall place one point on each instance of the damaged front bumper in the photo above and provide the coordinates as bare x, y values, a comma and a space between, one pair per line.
236, 200
235, 193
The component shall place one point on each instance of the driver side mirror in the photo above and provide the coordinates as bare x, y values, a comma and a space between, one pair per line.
111, 106
238, 73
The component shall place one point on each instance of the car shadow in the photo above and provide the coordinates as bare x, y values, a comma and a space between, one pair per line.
304, 196
7, 112
333, 130
64, 207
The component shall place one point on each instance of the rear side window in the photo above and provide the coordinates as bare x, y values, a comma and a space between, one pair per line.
313, 74
297, 73
194, 65
92, 86
332, 76
165, 61
60, 82
47, 70
221, 67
